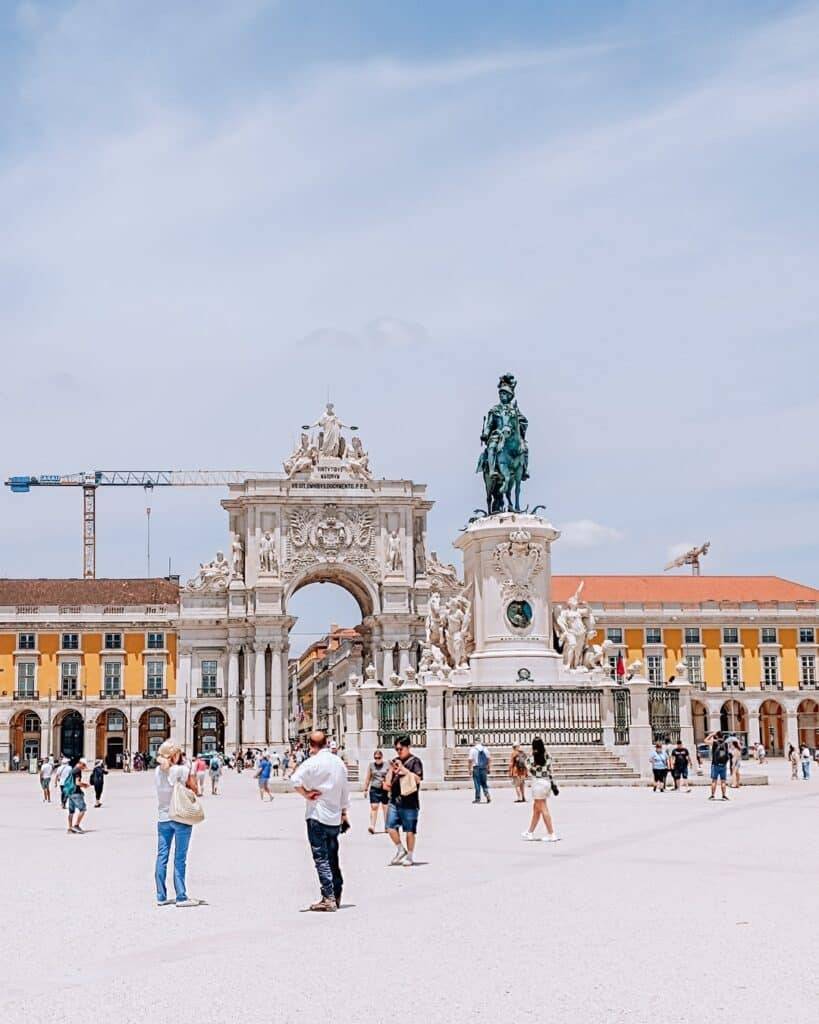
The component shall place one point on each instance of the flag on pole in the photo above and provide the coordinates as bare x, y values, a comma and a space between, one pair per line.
620, 670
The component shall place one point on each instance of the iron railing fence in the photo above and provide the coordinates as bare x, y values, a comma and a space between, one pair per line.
664, 713
622, 715
560, 716
402, 713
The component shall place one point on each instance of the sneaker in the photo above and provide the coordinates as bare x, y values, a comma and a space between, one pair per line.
476, 801
551, 839
712, 798
191, 903
326, 904
165, 903
725, 798
408, 862
528, 836
78, 830
399, 856
488, 799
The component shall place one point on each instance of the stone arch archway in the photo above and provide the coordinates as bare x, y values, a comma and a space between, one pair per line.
208, 731
111, 736
26, 735
772, 727
154, 729
807, 721
733, 718
699, 720
69, 734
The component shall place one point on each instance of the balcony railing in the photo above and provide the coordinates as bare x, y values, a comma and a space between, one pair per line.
112, 694
206, 691
68, 695
26, 695
155, 694
807, 684
732, 685
771, 684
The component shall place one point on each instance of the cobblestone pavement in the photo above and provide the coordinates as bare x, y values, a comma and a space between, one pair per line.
651, 908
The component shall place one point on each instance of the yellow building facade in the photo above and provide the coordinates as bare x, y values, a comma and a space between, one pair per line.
746, 644
87, 667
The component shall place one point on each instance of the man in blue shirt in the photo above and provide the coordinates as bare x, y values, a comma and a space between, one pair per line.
263, 775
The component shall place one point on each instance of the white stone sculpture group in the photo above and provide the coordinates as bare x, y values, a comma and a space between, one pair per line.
213, 576
574, 631
328, 444
448, 630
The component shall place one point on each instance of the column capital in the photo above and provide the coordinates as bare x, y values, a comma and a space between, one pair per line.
185, 650
260, 646
233, 647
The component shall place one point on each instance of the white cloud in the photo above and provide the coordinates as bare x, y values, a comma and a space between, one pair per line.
585, 533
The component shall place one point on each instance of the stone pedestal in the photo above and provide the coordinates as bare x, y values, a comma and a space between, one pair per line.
641, 743
507, 569
352, 740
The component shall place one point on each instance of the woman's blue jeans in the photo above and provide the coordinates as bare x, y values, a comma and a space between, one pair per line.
180, 835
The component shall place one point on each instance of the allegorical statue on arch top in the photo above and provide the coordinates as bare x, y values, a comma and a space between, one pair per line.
504, 461
329, 447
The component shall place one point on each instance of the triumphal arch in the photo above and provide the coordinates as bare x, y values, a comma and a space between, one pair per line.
325, 518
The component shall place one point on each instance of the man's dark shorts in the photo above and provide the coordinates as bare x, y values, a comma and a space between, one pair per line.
679, 773
719, 771
379, 796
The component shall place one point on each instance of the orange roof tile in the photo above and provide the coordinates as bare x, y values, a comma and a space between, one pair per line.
684, 589
88, 592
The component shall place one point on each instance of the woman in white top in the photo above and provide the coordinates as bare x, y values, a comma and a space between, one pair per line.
170, 771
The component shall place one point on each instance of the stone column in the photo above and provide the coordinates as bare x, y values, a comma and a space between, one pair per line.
404, 657
368, 738
5, 752
89, 738
753, 724
640, 738
133, 734
352, 743
232, 724
686, 720
183, 688
248, 728
435, 753
278, 692
607, 716
792, 729
259, 649
386, 662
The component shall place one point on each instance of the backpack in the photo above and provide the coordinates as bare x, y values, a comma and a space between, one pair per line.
520, 762
721, 753
68, 786
483, 759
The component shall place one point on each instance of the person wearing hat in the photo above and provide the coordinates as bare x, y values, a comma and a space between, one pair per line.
60, 775
76, 799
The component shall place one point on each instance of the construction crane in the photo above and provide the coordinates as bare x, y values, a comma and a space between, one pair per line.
692, 558
145, 478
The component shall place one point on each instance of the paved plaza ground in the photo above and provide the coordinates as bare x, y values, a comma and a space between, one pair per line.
660, 908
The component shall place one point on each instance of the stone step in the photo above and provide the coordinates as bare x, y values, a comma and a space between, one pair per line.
594, 764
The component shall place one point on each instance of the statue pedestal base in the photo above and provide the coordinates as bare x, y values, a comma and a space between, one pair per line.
507, 569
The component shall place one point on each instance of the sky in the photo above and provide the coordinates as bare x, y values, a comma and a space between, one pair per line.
216, 214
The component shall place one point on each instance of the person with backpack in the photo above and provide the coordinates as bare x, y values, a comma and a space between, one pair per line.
98, 780
72, 790
60, 776
517, 773
720, 756
480, 760
215, 772
374, 785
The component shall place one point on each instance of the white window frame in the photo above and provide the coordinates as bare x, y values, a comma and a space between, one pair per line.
155, 691
615, 640
695, 677
807, 680
71, 650
77, 690
209, 691
653, 660
812, 639
112, 650
20, 646
653, 643
732, 683
770, 671
25, 662
686, 640
768, 643
731, 643
108, 666
156, 632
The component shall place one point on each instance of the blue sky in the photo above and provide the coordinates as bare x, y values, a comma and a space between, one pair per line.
214, 212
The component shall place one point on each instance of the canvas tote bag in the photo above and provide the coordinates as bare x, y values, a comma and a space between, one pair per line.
185, 806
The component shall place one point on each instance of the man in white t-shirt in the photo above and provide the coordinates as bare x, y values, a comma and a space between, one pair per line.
46, 771
805, 758
60, 776
479, 760
322, 780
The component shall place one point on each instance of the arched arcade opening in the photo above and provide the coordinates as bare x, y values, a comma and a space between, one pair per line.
772, 727
26, 736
